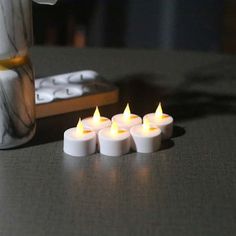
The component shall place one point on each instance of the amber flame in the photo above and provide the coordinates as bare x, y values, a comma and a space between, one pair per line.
96, 116
159, 112
79, 128
146, 125
127, 113
114, 128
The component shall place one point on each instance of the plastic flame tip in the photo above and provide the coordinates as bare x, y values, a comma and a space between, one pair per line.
127, 113
96, 115
146, 125
79, 128
114, 128
159, 111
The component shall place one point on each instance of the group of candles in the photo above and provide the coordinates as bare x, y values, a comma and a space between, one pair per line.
117, 136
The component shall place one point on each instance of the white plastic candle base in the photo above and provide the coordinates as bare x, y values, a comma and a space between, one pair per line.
103, 123
82, 146
165, 124
145, 142
166, 130
114, 146
134, 120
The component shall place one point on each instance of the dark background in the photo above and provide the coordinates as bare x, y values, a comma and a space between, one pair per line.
205, 25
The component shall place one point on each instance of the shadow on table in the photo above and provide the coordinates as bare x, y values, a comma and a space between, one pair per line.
199, 95
192, 99
178, 131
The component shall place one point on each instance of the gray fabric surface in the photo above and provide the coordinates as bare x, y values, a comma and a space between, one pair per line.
186, 188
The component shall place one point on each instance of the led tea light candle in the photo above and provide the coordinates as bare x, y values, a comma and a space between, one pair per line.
97, 122
46, 83
127, 120
68, 92
43, 97
79, 141
163, 121
114, 141
85, 75
145, 138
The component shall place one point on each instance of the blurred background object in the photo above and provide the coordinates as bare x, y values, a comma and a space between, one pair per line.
205, 25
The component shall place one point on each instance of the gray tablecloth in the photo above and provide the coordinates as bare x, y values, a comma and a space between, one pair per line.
186, 188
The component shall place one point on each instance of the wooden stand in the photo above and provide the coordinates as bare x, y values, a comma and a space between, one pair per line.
79, 103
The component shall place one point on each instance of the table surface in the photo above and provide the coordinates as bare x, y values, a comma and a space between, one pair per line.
186, 188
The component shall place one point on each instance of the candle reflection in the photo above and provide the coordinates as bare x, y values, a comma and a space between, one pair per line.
142, 169
74, 170
108, 169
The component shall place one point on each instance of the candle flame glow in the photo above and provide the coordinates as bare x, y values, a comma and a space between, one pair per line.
159, 112
79, 128
146, 125
114, 128
96, 116
127, 113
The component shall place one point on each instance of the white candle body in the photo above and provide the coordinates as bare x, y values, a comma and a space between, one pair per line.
79, 146
145, 142
90, 124
111, 145
165, 124
122, 123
